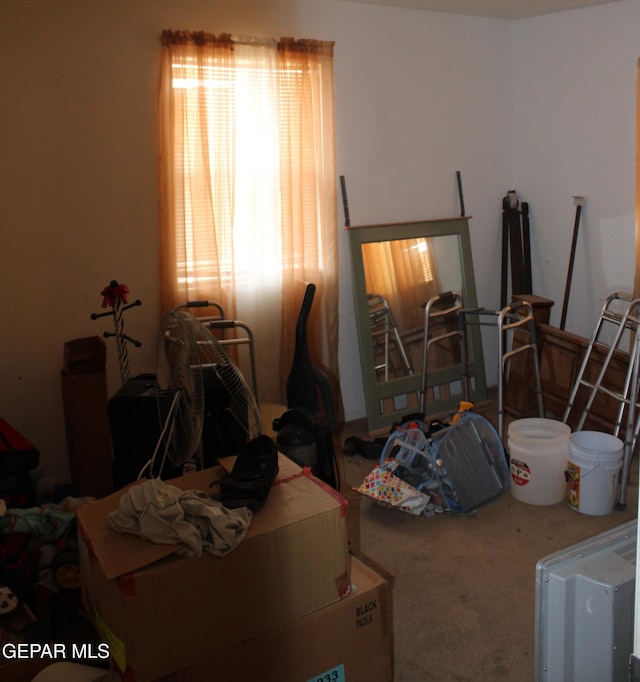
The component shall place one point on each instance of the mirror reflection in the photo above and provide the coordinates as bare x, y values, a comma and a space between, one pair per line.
401, 275
397, 268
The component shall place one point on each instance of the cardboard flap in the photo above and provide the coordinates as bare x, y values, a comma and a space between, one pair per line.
117, 553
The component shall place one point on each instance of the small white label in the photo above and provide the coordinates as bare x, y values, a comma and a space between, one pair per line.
334, 675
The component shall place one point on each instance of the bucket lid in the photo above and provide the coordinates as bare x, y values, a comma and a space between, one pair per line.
596, 443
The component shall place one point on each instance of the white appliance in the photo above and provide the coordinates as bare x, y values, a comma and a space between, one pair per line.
584, 609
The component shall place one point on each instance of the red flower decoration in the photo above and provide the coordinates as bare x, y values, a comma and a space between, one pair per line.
113, 292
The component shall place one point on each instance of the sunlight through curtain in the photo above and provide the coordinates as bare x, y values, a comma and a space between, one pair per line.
248, 189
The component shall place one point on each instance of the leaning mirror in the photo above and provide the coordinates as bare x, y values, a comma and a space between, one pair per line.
397, 268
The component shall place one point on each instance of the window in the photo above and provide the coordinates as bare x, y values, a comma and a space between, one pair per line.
423, 256
248, 198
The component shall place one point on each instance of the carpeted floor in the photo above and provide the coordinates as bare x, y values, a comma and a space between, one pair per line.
464, 586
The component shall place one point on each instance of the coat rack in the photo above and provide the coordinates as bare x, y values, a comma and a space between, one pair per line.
115, 295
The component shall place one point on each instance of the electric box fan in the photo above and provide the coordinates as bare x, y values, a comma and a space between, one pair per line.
199, 389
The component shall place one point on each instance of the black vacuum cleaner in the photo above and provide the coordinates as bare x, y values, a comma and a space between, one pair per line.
305, 430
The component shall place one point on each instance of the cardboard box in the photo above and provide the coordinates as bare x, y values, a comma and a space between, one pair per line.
159, 612
349, 641
84, 400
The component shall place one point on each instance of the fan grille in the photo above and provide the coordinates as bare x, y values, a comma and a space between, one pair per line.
181, 398
193, 364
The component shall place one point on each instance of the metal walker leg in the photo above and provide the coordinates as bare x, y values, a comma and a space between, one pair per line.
452, 300
515, 318
384, 329
512, 318
625, 318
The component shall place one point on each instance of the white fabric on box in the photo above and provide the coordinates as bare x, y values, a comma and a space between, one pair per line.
163, 513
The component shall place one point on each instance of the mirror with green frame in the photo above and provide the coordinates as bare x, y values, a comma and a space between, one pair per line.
396, 269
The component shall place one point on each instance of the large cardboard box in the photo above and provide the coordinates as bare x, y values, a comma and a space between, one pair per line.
349, 641
159, 612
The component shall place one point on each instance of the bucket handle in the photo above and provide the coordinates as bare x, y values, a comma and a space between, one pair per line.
568, 474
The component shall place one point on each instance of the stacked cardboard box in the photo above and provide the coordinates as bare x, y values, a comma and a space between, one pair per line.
347, 641
285, 584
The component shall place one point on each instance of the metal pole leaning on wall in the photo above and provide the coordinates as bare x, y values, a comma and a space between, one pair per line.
579, 203
345, 201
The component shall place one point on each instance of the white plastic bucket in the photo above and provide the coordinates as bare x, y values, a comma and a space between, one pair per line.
538, 455
595, 460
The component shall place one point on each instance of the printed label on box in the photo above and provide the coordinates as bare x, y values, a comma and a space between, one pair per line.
116, 645
334, 675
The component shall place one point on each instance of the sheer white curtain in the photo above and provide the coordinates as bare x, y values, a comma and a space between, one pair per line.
256, 225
